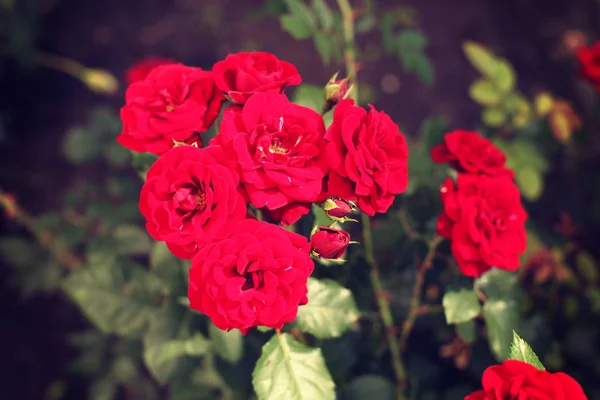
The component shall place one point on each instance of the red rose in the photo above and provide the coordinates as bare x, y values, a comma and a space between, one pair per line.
484, 219
518, 380
190, 198
279, 149
288, 214
140, 70
469, 152
329, 243
243, 74
368, 156
589, 63
256, 277
172, 104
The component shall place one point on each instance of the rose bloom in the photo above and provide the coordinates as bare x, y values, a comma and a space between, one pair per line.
190, 198
469, 152
329, 243
241, 75
518, 380
589, 63
484, 219
140, 70
368, 157
173, 103
288, 214
279, 149
255, 277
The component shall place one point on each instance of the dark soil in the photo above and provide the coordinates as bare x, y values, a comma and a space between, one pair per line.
113, 34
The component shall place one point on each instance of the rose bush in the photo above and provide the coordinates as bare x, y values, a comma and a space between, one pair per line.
173, 104
255, 277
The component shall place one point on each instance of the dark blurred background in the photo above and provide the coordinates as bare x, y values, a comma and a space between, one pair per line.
38, 105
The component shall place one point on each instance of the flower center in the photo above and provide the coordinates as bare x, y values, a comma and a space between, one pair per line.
189, 200
277, 149
170, 108
254, 280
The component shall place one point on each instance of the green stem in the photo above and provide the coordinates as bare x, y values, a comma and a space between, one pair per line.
415, 301
384, 308
349, 45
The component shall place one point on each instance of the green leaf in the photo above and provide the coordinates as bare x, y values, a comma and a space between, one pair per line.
411, 40
117, 298
163, 352
80, 146
132, 239
324, 14
171, 270
587, 267
461, 306
117, 155
294, 25
497, 284
421, 65
493, 117
501, 318
521, 351
290, 370
530, 182
481, 58
504, 77
298, 9
323, 45
467, 331
169, 340
103, 389
17, 251
264, 329
432, 131
49, 221
228, 345
593, 296
370, 387
330, 311
484, 92
387, 34
366, 23
522, 153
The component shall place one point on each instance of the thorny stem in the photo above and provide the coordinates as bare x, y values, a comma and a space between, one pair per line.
384, 308
45, 238
415, 301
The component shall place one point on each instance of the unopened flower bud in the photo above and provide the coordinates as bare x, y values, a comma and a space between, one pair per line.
100, 81
339, 209
329, 243
335, 91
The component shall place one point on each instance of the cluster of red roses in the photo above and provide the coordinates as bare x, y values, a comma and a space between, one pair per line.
270, 154
483, 216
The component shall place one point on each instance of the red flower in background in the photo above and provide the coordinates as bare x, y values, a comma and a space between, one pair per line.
256, 277
469, 152
173, 103
140, 70
589, 63
518, 380
190, 198
484, 219
241, 75
368, 157
279, 149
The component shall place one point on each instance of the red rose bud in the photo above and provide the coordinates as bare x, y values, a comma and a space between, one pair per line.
338, 209
329, 243
336, 89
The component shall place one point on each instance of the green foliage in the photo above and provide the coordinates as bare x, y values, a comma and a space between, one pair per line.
131, 240
313, 97
370, 387
228, 345
467, 331
290, 370
587, 267
119, 298
330, 311
461, 306
521, 351
410, 46
172, 271
142, 163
